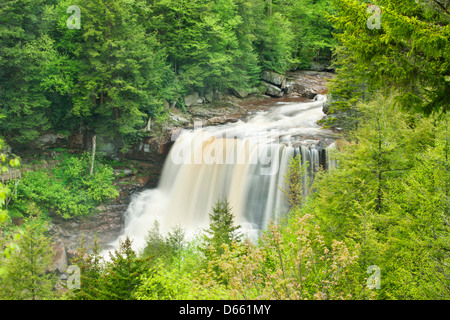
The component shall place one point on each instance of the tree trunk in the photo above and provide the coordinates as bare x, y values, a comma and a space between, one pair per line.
94, 145
379, 170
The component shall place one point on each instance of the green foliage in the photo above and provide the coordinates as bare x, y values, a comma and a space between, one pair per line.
26, 275
8, 235
121, 275
114, 279
308, 36
385, 204
89, 261
130, 58
291, 262
119, 67
389, 196
69, 190
297, 182
409, 54
166, 248
163, 283
26, 54
222, 229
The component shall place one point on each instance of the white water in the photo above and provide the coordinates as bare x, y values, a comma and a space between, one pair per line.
244, 162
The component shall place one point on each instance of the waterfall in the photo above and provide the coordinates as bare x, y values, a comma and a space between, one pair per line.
244, 162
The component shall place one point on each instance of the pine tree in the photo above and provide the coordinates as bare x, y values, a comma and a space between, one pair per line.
409, 53
122, 273
26, 54
121, 69
166, 248
89, 262
418, 239
27, 269
222, 229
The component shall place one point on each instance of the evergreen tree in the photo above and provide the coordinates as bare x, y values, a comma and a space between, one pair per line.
409, 53
388, 194
122, 273
418, 239
26, 56
27, 275
89, 262
222, 229
311, 38
166, 248
121, 68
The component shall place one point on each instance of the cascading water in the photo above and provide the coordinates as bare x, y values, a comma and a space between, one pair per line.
244, 162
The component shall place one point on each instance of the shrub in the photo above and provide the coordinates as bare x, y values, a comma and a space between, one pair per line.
68, 190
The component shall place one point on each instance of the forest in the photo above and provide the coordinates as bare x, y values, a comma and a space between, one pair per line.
374, 227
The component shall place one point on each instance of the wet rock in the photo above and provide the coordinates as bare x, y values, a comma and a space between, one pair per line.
310, 94
106, 225
309, 83
273, 91
273, 78
288, 88
316, 66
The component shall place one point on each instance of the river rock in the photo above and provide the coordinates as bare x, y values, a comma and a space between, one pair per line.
240, 93
273, 91
288, 88
321, 67
308, 92
273, 78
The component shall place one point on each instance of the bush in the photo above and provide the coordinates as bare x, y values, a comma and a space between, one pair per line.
68, 190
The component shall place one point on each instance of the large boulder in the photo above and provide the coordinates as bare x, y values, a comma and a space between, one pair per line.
273, 91
274, 78
240, 93
288, 88
317, 66
305, 91
191, 99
